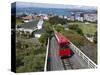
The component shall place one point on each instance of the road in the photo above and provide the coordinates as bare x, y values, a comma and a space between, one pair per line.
56, 63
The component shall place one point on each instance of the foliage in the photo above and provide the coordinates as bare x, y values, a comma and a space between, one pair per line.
74, 37
19, 21
89, 28
48, 29
95, 38
79, 31
73, 27
76, 28
47, 34
25, 34
32, 63
59, 28
43, 38
57, 20
30, 56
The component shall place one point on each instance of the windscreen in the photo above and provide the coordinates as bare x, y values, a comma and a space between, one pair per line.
64, 46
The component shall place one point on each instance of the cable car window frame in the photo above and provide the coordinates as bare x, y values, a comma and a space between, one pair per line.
64, 46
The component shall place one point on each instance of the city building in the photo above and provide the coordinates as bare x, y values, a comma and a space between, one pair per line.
92, 17
72, 18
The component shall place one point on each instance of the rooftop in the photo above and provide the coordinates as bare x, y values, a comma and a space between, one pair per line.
27, 17
30, 25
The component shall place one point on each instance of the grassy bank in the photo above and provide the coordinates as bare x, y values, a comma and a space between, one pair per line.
89, 28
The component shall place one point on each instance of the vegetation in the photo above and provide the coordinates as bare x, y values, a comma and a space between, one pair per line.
59, 27
74, 37
25, 35
48, 29
76, 28
95, 38
47, 34
19, 21
43, 38
30, 56
56, 20
89, 28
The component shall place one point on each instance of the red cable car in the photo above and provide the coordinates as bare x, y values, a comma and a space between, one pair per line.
64, 50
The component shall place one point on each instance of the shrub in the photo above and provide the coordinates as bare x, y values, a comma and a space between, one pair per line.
76, 28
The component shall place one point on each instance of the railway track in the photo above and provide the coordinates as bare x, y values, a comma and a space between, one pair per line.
67, 64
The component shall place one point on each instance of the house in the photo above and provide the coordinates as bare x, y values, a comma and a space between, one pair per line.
28, 27
40, 24
27, 18
45, 17
32, 27
38, 33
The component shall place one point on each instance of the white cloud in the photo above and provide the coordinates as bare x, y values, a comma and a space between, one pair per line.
73, 2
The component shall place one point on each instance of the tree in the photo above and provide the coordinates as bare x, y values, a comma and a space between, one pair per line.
79, 31
32, 63
76, 28
73, 27
48, 29
27, 34
30, 56
74, 37
43, 38
18, 44
56, 20
95, 37
32, 34
59, 28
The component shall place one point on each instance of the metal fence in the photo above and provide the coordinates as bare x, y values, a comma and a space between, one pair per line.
90, 63
45, 66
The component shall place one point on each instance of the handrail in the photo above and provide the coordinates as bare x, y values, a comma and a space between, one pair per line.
45, 67
90, 63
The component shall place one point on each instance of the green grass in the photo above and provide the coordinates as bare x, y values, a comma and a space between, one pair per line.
90, 28
18, 21
75, 38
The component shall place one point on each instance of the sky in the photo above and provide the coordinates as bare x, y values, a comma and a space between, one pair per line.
74, 2
46, 5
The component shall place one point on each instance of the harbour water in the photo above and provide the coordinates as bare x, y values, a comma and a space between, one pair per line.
56, 11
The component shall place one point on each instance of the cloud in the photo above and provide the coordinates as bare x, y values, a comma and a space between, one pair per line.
45, 5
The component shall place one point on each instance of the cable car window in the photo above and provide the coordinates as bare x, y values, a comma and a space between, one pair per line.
64, 46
